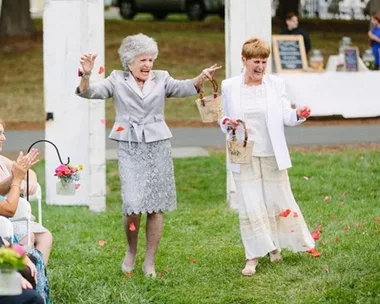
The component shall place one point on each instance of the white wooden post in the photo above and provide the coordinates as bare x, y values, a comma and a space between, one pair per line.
71, 28
244, 19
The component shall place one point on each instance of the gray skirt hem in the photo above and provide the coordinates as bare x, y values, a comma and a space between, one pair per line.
130, 212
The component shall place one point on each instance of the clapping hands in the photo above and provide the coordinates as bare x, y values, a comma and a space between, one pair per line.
24, 163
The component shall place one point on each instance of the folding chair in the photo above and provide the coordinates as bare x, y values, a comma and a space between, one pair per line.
24, 213
6, 229
38, 197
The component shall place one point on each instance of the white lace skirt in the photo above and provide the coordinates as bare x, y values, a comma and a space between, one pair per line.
147, 177
269, 216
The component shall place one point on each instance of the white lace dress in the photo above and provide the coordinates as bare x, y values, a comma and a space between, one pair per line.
270, 218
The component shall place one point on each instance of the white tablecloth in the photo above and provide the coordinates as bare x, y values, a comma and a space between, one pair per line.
350, 94
335, 60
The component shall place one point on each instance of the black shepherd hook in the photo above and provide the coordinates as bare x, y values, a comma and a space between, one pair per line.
59, 156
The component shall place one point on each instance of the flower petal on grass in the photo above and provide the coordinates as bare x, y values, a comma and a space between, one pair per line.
305, 178
327, 198
102, 243
128, 275
192, 261
346, 228
315, 235
336, 239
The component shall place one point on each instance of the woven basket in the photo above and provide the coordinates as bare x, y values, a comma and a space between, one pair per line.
210, 107
240, 152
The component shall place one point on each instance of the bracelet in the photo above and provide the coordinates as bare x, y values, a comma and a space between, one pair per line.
83, 74
15, 185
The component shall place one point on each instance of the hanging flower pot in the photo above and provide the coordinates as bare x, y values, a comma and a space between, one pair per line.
65, 188
68, 175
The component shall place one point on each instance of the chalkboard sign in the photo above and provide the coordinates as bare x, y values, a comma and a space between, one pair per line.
289, 53
351, 59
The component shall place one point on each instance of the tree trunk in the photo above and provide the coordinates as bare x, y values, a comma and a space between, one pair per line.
287, 6
15, 19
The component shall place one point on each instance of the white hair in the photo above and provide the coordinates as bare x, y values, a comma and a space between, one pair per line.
135, 45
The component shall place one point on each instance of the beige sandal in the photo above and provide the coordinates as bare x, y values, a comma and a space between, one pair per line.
249, 270
126, 269
275, 257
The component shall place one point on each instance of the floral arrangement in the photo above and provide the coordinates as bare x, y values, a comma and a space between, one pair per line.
68, 173
12, 258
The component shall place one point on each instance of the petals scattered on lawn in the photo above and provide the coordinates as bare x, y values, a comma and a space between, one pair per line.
315, 253
102, 243
319, 228
295, 214
285, 213
342, 203
305, 178
120, 129
327, 198
344, 193
160, 275
336, 239
193, 261
315, 235
128, 275
326, 269
347, 228
132, 227
101, 70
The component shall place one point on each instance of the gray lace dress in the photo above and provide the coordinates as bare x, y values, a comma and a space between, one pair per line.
147, 177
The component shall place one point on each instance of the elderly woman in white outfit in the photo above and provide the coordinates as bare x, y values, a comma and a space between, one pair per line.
145, 163
270, 218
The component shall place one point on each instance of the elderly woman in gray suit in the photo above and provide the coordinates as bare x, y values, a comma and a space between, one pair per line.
144, 150
270, 218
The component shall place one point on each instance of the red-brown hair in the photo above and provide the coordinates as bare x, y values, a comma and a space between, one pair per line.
376, 16
255, 48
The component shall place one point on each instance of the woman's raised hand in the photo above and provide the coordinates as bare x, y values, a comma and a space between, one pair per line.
87, 61
210, 72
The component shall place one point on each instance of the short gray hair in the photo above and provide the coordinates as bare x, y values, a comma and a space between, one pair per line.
135, 45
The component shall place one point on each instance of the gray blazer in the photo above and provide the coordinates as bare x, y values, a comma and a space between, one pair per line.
139, 113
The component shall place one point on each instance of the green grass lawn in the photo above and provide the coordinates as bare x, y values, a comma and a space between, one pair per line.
185, 48
201, 254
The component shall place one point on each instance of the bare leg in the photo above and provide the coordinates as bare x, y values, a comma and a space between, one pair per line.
154, 223
44, 242
132, 237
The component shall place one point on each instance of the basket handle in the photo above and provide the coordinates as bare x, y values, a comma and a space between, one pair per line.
215, 94
241, 122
